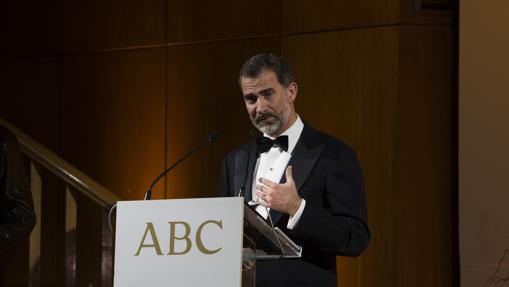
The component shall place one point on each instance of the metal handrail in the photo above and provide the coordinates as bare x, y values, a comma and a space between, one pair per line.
64, 170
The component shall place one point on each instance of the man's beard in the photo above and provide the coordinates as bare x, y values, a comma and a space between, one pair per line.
269, 129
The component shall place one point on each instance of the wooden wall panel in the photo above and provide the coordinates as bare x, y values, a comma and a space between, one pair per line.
424, 174
306, 16
203, 96
95, 24
412, 12
348, 88
196, 20
483, 139
112, 118
378, 146
29, 97
29, 27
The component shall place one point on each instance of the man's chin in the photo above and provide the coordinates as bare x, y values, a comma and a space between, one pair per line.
268, 129
268, 125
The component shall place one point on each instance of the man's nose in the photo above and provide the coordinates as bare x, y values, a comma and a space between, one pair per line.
261, 105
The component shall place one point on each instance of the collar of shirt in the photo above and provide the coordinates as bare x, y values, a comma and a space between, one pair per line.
293, 134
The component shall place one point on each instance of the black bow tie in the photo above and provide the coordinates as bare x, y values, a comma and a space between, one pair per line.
265, 143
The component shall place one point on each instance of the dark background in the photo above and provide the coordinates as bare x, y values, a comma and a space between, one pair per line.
121, 89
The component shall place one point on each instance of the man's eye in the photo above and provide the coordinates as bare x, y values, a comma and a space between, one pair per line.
250, 99
267, 94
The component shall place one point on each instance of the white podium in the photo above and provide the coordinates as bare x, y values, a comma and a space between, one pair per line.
193, 242
181, 242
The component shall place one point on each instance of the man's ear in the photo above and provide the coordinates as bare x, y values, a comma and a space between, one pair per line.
292, 91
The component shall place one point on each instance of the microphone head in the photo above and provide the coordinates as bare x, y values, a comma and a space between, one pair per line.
213, 136
252, 203
148, 194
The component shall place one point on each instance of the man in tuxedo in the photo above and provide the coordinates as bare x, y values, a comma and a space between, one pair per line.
310, 183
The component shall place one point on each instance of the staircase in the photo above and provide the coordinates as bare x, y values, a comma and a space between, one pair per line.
71, 243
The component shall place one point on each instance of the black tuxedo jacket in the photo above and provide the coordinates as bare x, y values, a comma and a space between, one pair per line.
334, 221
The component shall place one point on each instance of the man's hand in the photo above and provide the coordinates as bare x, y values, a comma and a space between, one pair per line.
281, 197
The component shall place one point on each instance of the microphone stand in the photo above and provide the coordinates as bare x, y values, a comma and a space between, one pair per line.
212, 137
148, 194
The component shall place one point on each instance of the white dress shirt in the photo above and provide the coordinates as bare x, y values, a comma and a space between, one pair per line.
272, 164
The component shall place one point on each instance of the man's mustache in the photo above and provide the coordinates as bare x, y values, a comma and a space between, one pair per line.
263, 116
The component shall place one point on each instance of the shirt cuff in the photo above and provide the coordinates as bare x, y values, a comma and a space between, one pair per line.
294, 220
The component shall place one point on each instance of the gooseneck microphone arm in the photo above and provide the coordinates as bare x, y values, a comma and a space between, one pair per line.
212, 137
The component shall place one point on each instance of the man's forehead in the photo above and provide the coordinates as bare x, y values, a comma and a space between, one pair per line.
266, 80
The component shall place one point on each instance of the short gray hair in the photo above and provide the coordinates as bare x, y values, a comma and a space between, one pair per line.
253, 67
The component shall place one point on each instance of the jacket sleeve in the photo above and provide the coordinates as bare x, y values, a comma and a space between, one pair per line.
339, 225
17, 217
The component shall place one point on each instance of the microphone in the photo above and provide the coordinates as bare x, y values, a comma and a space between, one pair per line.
251, 134
211, 138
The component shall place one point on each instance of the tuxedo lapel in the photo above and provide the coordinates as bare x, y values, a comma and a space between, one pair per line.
303, 159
